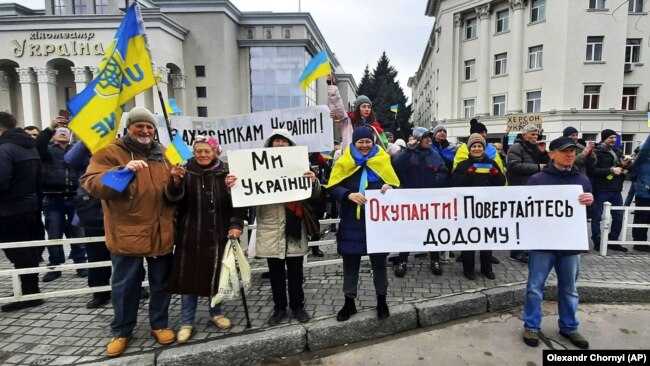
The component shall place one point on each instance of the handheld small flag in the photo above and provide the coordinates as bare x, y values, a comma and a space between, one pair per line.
394, 108
482, 168
317, 67
178, 151
118, 180
124, 72
175, 109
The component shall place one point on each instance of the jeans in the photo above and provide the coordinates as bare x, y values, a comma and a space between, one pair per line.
567, 269
97, 252
126, 286
188, 309
404, 256
59, 211
351, 265
641, 217
616, 199
279, 277
23, 227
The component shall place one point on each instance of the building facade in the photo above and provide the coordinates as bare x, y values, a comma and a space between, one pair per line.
581, 63
213, 59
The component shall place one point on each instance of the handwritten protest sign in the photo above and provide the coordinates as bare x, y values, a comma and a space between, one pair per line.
517, 122
309, 126
271, 175
481, 218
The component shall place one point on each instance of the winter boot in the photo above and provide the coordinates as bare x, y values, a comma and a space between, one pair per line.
348, 309
382, 307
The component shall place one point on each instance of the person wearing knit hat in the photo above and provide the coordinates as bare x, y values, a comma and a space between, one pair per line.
477, 127
529, 129
437, 129
607, 177
420, 166
363, 115
475, 138
585, 157
567, 132
361, 99
140, 114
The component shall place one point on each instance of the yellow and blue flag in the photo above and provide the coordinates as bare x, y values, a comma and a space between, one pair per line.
394, 108
124, 72
317, 67
178, 151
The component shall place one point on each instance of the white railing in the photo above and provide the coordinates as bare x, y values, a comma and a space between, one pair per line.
606, 225
14, 274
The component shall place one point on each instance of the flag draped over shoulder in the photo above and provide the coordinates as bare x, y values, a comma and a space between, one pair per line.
317, 67
124, 72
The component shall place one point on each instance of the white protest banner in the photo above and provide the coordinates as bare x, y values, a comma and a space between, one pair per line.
308, 126
271, 175
477, 218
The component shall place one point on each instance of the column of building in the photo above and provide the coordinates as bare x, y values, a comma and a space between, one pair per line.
31, 105
47, 94
483, 76
516, 62
81, 78
460, 68
5, 92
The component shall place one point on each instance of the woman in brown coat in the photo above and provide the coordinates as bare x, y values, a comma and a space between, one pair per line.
205, 220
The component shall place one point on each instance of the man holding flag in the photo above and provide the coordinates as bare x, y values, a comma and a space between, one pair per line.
138, 223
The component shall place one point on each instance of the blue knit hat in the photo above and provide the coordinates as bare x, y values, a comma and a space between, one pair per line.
362, 132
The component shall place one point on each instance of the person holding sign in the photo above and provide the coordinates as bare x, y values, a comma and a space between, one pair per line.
282, 240
477, 171
561, 170
139, 225
205, 220
364, 165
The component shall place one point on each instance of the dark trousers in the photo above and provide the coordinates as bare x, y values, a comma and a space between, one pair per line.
351, 266
58, 212
279, 278
616, 199
404, 256
23, 227
641, 217
469, 260
97, 252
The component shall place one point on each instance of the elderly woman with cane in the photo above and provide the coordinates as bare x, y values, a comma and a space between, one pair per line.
206, 219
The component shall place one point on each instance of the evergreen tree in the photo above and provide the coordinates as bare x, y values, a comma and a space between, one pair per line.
384, 91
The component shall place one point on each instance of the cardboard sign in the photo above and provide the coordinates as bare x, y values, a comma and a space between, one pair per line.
270, 175
517, 122
481, 218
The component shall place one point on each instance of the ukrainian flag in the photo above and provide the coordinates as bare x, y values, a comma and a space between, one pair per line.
482, 168
124, 72
317, 67
394, 108
178, 151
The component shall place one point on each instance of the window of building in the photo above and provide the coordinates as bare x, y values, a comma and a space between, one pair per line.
594, 48
502, 21
58, 7
123, 4
101, 6
597, 4
591, 97
199, 70
469, 69
202, 111
500, 62
470, 28
468, 108
635, 6
499, 105
632, 50
535, 57
274, 78
79, 6
537, 10
201, 92
629, 98
533, 102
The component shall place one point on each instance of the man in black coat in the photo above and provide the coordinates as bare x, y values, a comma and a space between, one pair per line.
20, 213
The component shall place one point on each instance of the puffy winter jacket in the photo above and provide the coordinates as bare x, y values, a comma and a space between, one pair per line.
641, 169
601, 176
58, 178
523, 162
19, 174
420, 168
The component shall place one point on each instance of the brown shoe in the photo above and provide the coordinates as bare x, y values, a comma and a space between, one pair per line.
164, 336
116, 346
577, 339
221, 322
531, 338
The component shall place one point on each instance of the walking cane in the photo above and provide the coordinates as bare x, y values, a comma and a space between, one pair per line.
233, 246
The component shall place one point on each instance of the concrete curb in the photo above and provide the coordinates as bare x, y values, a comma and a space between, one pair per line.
140, 360
290, 340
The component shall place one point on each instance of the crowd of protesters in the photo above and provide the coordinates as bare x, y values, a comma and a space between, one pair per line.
179, 219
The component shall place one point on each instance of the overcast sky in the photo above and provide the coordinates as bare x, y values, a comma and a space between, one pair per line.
357, 31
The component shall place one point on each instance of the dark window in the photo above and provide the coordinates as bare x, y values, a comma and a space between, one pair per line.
79, 7
202, 111
201, 92
199, 70
101, 6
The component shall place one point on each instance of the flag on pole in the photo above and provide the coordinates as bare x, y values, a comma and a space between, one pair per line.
175, 109
317, 67
178, 151
168, 107
394, 108
124, 72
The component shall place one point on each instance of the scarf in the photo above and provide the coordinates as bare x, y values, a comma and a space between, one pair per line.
152, 150
293, 225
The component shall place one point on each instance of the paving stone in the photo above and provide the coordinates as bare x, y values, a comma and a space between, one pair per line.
449, 308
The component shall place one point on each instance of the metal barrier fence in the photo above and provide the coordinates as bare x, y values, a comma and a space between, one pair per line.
606, 225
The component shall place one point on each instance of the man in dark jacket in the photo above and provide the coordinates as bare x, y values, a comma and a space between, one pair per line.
523, 161
420, 167
566, 263
440, 145
20, 212
59, 188
607, 177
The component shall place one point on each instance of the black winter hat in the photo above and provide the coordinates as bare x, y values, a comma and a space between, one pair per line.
569, 131
606, 133
476, 127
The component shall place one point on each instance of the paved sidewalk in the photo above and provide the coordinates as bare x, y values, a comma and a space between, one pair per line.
63, 331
